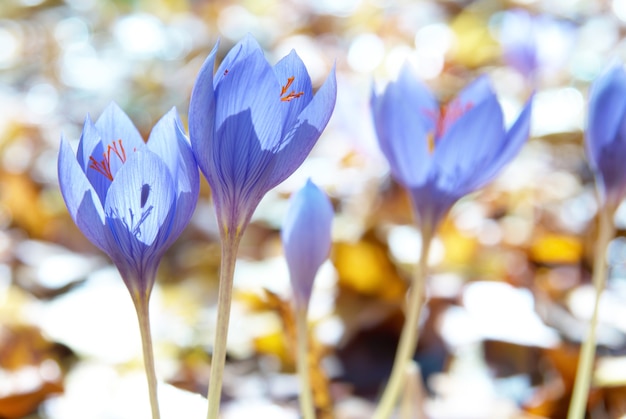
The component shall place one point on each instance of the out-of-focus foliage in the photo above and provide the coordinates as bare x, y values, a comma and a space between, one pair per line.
508, 292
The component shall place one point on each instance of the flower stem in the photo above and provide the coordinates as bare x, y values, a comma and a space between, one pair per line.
141, 306
306, 395
578, 403
409, 335
412, 392
230, 245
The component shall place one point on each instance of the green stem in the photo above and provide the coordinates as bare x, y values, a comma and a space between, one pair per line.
409, 335
230, 245
306, 395
141, 306
578, 403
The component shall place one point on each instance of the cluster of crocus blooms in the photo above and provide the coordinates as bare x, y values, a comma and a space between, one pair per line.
251, 126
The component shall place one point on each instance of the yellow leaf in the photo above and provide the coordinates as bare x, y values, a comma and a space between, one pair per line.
556, 248
366, 268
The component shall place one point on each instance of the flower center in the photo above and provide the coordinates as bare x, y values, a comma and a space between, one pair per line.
448, 115
287, 97
104, 166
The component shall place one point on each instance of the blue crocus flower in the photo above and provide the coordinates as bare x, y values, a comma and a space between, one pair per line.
442, 153
252, 125
534, 44
130, 198
606, 135
306, 236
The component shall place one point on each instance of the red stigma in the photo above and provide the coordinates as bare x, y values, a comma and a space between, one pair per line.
448, 115
104, 166
291, 95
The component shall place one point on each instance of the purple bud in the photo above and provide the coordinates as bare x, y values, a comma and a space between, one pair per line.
306, 236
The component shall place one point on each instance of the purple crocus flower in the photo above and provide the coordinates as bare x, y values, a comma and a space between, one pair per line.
252, 125
130, 198
605, 138
442, 154
535, 43
306, 236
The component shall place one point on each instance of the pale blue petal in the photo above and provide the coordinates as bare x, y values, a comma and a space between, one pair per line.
80, 197
404, 117
607, 107
251, 85
202, 114
417, 97
240, 51
239, 170
169, 142
476, 92
298, 142
514, 140
140, 206
468, 145
292, 66
114, 125
90, 145
610, 172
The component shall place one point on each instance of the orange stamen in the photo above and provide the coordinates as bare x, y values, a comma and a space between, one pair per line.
449, 114
291, 95
104, 166
287, 86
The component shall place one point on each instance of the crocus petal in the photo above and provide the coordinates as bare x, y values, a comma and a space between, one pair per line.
607, 106
113, 125
202, 114
251, 85
401, 129
248, 45
238, 171
476, 92
468, 145
90, 145
169, 142
511, 145
139, 209
609, 169
80, 197
306, 236
307, 129
292, 66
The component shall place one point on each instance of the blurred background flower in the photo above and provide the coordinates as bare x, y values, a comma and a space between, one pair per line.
510, 263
